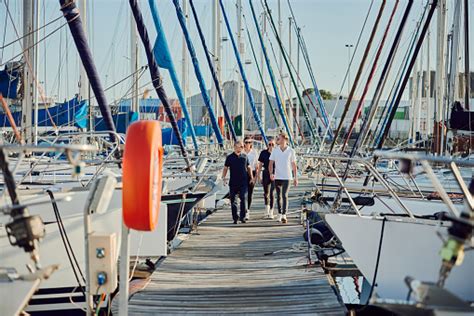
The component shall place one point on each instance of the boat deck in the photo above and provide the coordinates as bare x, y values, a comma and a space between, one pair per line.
260, 267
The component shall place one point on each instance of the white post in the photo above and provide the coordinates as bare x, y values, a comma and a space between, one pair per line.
134, 60
124, 271
241, 95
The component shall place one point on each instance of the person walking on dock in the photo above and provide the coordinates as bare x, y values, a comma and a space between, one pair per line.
240, 176
267, 183
282, 164
253, 160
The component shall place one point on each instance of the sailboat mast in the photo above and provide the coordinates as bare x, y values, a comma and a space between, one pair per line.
454, 70
83, 81
419, 91
467, 71
36, 19
297, 108
240, 94
413, 98
134, 60
440, 75
280, 59
262, 85
184, 54
428, 86
84, 86
290, 94
216, 48
28, 41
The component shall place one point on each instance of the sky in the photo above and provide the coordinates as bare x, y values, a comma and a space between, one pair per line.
326, 25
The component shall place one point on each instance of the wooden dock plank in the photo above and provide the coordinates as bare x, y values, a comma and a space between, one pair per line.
255, 268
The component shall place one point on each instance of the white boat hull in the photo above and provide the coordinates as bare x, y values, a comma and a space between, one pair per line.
409, 248
56, 292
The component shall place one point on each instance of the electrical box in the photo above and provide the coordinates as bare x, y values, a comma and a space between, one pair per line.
102, 263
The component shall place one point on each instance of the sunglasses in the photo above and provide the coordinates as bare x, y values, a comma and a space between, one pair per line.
248, 142
271, 144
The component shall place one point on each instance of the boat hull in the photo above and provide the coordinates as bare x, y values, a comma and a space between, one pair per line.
409, 248
179, 206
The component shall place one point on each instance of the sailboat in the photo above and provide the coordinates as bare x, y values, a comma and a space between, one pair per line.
391, 249
63, 242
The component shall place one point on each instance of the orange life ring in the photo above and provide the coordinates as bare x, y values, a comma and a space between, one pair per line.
142, 174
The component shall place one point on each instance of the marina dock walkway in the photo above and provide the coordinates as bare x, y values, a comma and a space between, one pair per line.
255, 268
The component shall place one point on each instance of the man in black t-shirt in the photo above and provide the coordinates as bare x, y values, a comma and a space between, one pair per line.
239, 167
267, 183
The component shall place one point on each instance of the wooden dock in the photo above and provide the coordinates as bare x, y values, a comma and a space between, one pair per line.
260, 267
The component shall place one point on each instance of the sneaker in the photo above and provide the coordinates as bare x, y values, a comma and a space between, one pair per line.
270, 214
247, 216
283, 219
243, 221
235, 222
279, 217
267, 211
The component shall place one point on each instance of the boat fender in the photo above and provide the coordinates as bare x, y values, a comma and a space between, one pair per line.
142, 175
317, 237
319, 232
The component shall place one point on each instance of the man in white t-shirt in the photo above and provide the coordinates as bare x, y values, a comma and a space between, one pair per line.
282, 170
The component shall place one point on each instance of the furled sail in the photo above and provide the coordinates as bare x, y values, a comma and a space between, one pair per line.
213, 72
197, 71
156, 77
164, 60
244, 77
272, 76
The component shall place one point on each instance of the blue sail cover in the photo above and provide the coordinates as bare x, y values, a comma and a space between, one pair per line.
163, 59
9, 83
67, 113
169, 138
121, 121
150, 105
203, 130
